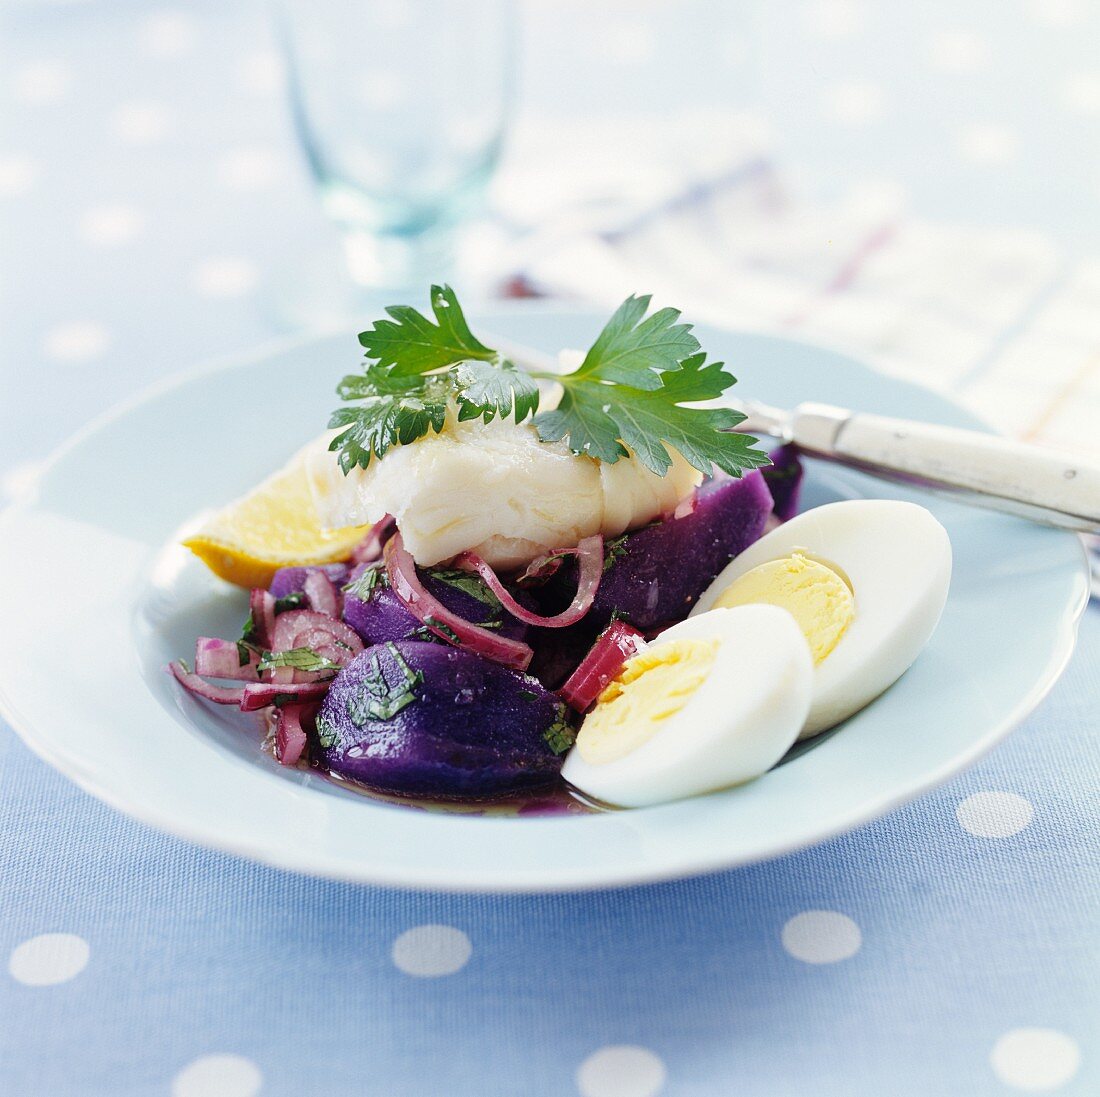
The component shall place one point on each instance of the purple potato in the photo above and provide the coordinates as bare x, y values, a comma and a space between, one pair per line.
653, 577
422, 719
292, 580
559, 651
382, 616
784, 479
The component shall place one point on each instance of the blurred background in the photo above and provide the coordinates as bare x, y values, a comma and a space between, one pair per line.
918, 183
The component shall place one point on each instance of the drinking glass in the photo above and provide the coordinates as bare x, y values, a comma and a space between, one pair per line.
400, 107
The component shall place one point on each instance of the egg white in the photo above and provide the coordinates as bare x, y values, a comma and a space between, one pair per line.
734, 727
896, 557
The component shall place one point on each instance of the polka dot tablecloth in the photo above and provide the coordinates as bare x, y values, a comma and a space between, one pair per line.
150, 200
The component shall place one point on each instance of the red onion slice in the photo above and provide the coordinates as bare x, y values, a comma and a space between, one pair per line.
220, 695
306, 628
290, 735
322, 593
258, 695
540, 569
370, 548
614, 646
426, 608
589, 555
261, 605
216, 658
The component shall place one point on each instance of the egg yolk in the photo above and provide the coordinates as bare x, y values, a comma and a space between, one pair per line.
811, 592
652, 686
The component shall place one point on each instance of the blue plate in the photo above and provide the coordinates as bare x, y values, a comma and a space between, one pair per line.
106, 519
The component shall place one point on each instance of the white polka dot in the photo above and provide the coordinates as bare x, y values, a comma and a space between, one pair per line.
111, 226
41, 82
986, 144
1080, 92
431, 950
629, 43
249, 169
19, 481
167, 34
262, 73
218, 1076
959, 51
855, 103
225, 276
821, 937
381, 89
1057, 13
17, 174
78, 341
48, 959
994, 814
834, 19
140, 123
1035, 1059
621, 1070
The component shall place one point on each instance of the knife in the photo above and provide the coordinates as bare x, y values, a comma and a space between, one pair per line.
1051, 486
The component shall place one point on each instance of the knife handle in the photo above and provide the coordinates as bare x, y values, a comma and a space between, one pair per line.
1051, 486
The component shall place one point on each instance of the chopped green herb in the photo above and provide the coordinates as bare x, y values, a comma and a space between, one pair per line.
377, 699
298, 658
627, 395
327, 733
441, 629
614, 551
294, 600
373, 576
425, 634
560, 735
468, 583
245, 651
528, 695
248, 630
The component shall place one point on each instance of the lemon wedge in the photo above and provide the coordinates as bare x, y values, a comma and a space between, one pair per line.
274, 526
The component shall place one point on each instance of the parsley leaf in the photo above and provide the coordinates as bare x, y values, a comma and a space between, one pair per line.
486, 390
412, 344
603, 420
627, 396
632, 351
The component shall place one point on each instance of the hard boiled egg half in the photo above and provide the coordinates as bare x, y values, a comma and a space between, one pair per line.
714, 701
866, 580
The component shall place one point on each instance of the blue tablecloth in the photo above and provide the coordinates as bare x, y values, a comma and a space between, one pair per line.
149, 197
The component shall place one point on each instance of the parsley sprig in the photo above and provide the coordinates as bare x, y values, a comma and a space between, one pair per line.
627, 395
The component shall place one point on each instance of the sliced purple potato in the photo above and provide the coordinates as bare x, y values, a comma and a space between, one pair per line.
653, 577
288, 581
559, 651
422, 719
378, 615
784, 479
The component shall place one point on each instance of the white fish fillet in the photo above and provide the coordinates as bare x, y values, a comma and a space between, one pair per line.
495, 490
